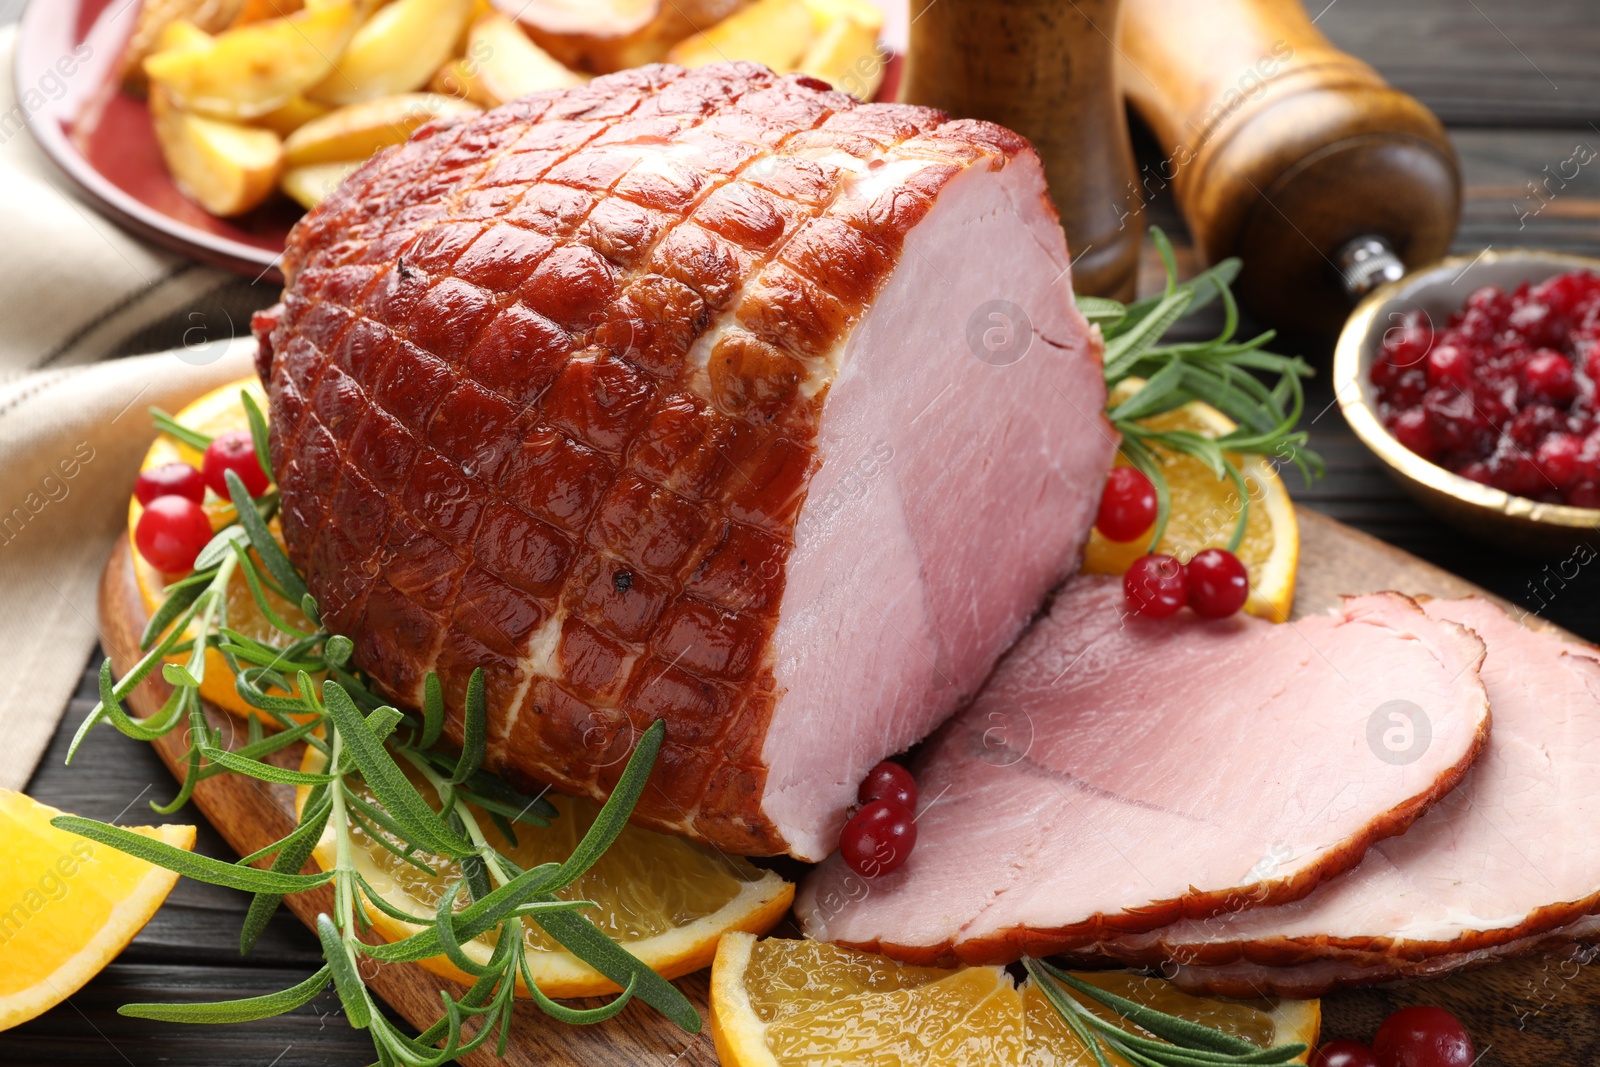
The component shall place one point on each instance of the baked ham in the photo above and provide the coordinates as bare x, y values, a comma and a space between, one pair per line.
1117, 774
1490, 870
689, 397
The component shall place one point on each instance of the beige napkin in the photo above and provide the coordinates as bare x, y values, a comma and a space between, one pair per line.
74, 290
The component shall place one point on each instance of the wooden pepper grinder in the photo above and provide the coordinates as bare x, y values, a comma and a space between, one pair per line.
1048, 70
1288, 153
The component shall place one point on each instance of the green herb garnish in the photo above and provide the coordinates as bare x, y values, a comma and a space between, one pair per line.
305, 675
1221, 372
1182, 1043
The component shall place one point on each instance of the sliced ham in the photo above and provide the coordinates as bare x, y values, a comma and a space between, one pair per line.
1318, 978
1117, 774
1494, 867
709, 397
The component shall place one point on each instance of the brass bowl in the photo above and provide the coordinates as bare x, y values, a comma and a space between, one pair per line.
1517, 524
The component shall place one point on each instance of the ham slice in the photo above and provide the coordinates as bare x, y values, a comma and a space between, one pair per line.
1489, 871
709, 397
1117, 774
1317, 978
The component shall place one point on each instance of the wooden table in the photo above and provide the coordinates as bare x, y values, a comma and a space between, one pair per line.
1517, 82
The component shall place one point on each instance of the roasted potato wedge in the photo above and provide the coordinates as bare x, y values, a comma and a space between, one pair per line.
312, 184
395, 51
502, 63
153, 20
773, 32
844, 49
601, 36
224, 167
291, 116
357, 131
261, 10
246, 72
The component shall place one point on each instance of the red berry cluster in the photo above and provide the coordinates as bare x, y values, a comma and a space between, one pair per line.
1411, 1037
173, 527
1214, 583
1505, 394
882, 833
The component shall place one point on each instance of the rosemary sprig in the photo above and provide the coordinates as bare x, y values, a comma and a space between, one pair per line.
301, 682
1182, 1043
1221, 372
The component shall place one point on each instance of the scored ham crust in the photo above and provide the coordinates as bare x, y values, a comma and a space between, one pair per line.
1117, 774
1489, 872
658, 399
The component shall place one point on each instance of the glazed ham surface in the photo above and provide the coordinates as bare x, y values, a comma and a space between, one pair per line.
685, 396
1118, 774
1491, 870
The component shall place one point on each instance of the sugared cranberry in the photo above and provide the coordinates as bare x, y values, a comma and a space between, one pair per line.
1155, 586
234, 451
170, 479
889, 781
1449, 365
171, 532
1557, 458
1127, 505
878, 838
1218, 583
1547, 377
1410, 428
1584, 495
1514, 471
1344, 1053
1423, 1036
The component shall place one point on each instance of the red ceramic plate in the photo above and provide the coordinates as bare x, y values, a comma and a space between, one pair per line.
104, 141
69, 83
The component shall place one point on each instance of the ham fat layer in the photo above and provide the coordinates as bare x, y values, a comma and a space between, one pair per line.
1117, 774
700, 397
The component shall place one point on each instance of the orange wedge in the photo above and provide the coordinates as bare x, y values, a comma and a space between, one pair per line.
71, 904
666, 899
778, 1003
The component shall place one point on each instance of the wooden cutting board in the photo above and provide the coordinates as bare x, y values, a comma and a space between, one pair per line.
1534, 1012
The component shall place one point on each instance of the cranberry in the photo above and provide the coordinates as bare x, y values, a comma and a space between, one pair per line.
171, 532
1127, 505
878, 838
1218, 584
1516, 473
1584, 495
170, 479
1449, 366
1345, 1053
1557, 458
234, 451
1423, 1037
1547, 376
889, 781
1490, 300
1155, 585
1534, 424
1410, 428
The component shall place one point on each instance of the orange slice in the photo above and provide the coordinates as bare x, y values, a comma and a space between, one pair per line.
72, 904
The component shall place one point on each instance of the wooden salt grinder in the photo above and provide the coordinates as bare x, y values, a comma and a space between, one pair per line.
1288, 153
1046, 69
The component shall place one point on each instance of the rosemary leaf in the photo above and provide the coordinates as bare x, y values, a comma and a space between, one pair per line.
245, 1010
258, 431
189, 864
387, 782
173, 428
475, 730
346, 978
261, 539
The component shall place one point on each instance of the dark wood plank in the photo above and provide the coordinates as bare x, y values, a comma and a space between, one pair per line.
1478, 62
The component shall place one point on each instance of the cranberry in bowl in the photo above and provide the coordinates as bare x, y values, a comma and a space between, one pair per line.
1477, 381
